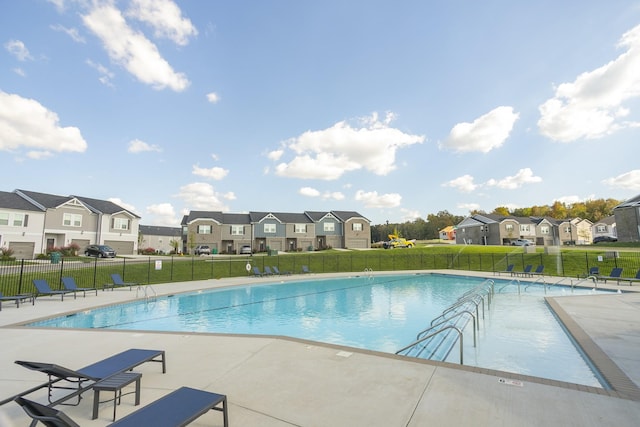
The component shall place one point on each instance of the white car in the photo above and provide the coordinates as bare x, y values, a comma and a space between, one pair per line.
522, 242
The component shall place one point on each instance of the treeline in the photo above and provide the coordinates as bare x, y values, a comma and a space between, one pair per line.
593, 210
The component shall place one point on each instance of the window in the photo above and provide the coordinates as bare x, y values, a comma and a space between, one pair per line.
19, 220
301, 228
508, 227
237, 230
524, 228
567, 229
601, 228
204, 229
4, 218
120, 223
544, 229
72, 220
357, 226
329, 226
269, 228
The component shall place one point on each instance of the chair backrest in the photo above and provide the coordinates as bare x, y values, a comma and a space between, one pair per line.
50, 417
267, 269
69, 283
42, 285
528, 268
594, 271
616, 272
510, 267
539, 268
116, 279
256, 271
277, 271
637, 277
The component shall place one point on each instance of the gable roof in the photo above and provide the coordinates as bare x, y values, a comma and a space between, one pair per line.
51, 201
14, 201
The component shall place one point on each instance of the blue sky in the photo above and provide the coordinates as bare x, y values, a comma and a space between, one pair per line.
392, 109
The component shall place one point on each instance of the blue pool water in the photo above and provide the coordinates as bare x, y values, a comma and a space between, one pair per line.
384, 313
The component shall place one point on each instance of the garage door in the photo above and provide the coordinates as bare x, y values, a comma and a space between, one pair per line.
357, 244
121, 248
22, 250
82, 244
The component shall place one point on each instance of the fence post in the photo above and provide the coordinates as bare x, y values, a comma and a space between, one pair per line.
21, 276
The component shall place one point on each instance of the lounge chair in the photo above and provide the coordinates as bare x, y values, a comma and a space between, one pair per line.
593, 272
17, 299
121, 362
631, 280
267, 271
45, 414
615, 275
508, 270
525, 272
539, 271
257, 272
43, 288
117, 282
69, 284
277, 271
178, 408
305, 269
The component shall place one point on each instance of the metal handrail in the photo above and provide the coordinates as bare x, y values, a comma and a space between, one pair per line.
460, 336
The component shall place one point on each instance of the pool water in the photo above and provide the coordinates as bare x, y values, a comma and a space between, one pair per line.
383, 313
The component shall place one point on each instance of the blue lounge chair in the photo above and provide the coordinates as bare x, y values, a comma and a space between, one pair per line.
615, 275
277, 271
17, 299
43, 288
305, 269
69, 284
121, 362
526, 271
539, 271
593, 272
267, 271
631, 280
508, 270
117, 282
257, 272
178, 408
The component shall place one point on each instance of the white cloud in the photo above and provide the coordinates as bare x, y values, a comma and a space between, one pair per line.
309, 192
524, 176
275, 155
410, 214
213, 98
132, 50
20, 72
592, 105
27, 123
18, 49
202, 196
229, 195
165, 17
71, 32
216, 173
122, 204
629, 180
333, 195
484, 134
570, 200
106, 76
162, 214
371, 199
137, 146
463, 183
469, 206
329, 153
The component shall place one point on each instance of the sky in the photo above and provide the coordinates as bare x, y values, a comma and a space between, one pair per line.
396, 110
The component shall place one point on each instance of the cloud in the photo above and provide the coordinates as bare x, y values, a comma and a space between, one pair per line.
202, 196
275, 155
327, 195
213, 98
166, 19
106, 76
469, 206
592, 106
371, 199
162, 214
25, 123
463, 183
524, 176
484, 134
18, 49
137, 146
132, 50
410, 214
213, 173
327, 154
71, 32
309, 192
570, 200
120, 203
629, 180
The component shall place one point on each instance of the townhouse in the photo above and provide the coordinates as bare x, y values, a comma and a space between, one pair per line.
33, 223
492, 229
278, 231
159, 238
627, 216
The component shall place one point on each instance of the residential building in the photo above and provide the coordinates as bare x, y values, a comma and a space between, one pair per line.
448, 233
627, 216
50, 221
279, 231
606, 227
159, 238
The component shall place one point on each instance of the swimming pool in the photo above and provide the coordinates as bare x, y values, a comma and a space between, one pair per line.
383, 313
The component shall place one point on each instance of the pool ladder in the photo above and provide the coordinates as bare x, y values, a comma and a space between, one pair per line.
452, 320
144, 289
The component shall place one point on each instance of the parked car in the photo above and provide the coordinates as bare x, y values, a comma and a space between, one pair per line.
100, 251
246, 249
522, 242
202, 250
602, 239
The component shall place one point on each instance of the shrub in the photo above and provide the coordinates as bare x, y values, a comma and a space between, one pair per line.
6, 254
148, 251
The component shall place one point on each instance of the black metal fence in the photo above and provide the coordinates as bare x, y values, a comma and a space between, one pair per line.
16, 276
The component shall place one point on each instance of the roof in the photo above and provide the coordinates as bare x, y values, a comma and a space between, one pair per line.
156, 230
629, 203
14, 201
51, 201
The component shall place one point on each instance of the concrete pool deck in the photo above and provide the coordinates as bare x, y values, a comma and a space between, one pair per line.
278, 382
